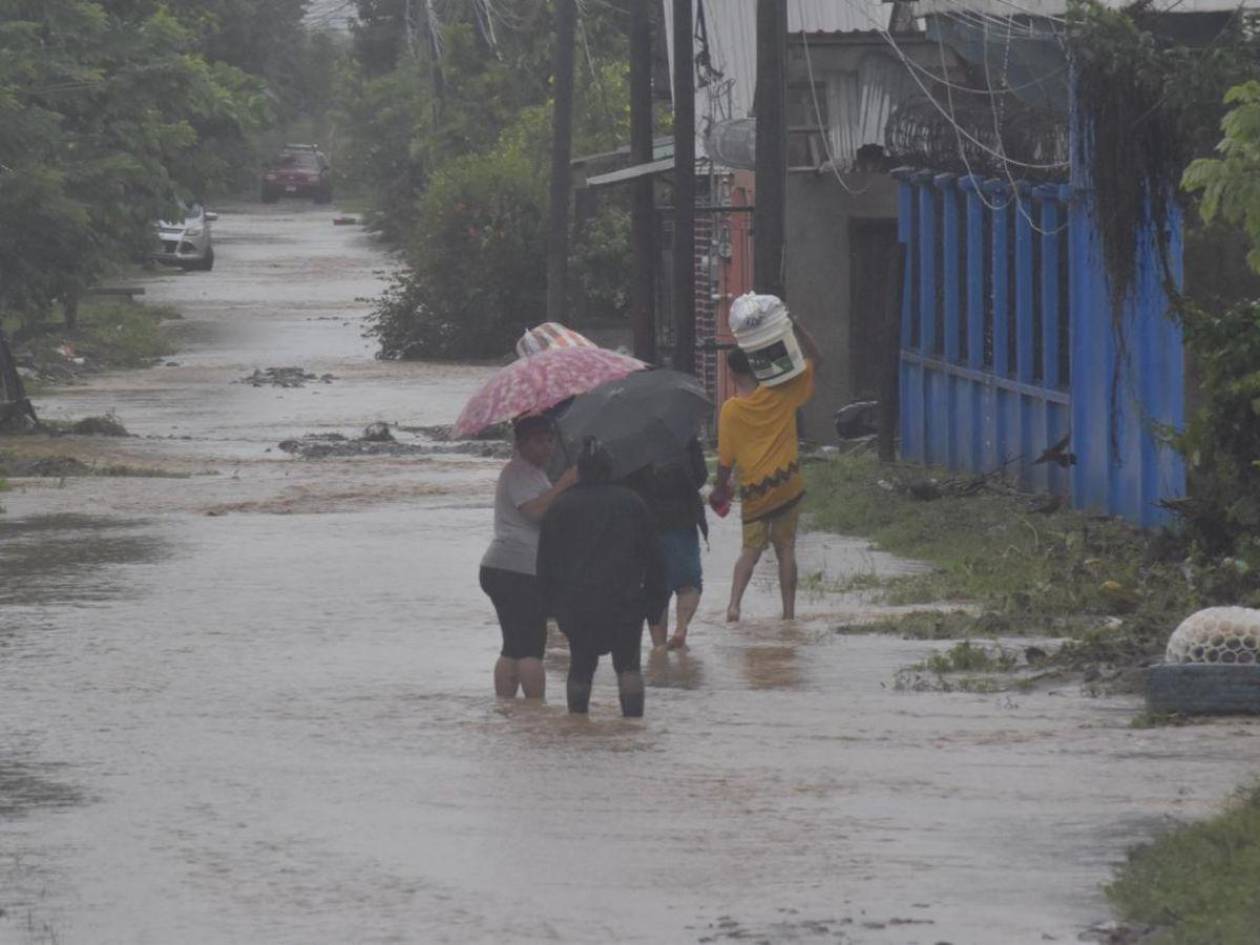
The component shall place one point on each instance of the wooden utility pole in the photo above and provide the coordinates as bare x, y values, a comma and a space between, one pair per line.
684, 295
561, 148
643, 218
770, 106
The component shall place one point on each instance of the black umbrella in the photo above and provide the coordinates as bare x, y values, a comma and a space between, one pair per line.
643, 418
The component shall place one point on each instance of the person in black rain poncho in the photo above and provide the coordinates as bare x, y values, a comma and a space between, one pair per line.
601, 573
672, 493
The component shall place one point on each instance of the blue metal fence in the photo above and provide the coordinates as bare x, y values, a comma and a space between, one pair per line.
1009, 346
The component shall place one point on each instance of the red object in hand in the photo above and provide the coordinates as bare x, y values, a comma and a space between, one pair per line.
720, 504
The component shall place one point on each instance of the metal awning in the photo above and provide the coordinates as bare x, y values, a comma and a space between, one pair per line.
631, 172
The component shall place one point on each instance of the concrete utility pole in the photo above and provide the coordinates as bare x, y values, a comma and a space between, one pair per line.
770, 106
643, 218
561, 149
684, 295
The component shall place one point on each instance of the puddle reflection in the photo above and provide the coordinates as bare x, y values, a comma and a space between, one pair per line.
62, 558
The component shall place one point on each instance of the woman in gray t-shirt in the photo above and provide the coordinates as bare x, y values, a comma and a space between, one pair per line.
508, 568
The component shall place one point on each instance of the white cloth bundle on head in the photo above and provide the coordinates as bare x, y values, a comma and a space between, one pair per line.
550, 335
750, 311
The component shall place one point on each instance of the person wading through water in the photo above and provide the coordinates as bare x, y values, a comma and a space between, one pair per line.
601, 573
672, 491
757, 436
508, 569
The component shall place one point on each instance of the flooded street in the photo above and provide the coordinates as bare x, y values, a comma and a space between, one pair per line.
250, 702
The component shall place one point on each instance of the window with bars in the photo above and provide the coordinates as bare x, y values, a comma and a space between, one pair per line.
806, 125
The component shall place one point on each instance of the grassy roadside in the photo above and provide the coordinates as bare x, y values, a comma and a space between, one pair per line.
110, 334
1199, 884
1114, 591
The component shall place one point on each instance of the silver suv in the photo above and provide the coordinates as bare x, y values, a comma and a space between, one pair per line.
187, 243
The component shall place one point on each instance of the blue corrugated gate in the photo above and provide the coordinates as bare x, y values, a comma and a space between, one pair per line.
1010, 345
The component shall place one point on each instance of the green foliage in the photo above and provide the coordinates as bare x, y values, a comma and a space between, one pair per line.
1065, 573
1152, 104
476, 280
454, 152
1198, 883
110, 335
966, 657
1222, 440
1230, 184
1142, 92
106, 110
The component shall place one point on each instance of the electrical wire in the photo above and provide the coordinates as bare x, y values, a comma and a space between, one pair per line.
997, 131
962, 150
971, 90
946, 114
823, 127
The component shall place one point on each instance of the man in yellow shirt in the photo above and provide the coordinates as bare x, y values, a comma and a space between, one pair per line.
757, 436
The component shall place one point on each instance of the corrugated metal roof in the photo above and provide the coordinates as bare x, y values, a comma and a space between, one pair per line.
732, 31
1004, 8
630, 173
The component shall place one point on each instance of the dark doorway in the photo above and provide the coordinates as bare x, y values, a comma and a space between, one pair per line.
871, 246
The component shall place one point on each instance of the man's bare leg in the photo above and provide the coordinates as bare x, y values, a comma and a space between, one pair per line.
786, 553
506, 678
660, 629
688, 601
744, 566
533, 677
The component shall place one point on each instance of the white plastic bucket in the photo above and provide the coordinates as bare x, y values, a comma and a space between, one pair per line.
762, 328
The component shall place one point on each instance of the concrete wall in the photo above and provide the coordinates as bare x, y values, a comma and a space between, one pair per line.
817, 257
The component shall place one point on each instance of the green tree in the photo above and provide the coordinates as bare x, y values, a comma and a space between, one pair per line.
1230, 184
101, 110
459, 143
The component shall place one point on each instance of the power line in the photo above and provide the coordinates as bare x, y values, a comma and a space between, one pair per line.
997, 131
825, 129
947, 115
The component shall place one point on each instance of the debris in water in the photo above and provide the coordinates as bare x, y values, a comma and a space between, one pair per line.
285, 377
377, 432
321, 446
99, 426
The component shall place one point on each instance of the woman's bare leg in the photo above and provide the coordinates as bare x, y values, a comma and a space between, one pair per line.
533, 677
506, 678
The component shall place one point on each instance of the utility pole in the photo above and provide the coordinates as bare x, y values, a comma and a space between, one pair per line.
561, 148
643, 214
684, 294
770, 212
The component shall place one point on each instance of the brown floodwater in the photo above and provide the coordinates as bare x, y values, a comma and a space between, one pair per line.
253, 704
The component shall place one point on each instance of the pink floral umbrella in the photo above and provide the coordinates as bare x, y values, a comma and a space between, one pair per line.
531, 385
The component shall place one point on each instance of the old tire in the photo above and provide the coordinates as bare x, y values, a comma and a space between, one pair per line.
207, 261
1203, 689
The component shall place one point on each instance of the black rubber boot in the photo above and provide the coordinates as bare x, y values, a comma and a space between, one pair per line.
579, 696
630, 689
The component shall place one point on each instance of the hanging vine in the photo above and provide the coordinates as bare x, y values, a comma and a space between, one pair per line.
1128, 137
1149, 96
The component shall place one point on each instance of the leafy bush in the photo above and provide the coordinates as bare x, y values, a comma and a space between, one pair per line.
479, 267
1230, 185
454, 151
1222, 439
478, 276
